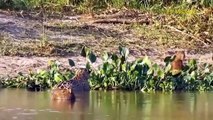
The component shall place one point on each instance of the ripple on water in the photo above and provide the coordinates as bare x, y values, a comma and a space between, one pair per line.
32, 110
8, 110
54, 111
28, 113
14, 117
18, 108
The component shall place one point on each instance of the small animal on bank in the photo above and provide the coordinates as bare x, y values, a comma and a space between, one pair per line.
66, 89
177, 63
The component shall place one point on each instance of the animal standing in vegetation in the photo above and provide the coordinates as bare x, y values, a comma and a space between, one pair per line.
177, 63
66, 89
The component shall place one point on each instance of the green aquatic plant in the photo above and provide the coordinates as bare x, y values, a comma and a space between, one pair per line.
117, 72
45, 79
40, 80
88, 54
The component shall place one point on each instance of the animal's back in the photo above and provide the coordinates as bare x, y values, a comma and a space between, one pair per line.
78, 83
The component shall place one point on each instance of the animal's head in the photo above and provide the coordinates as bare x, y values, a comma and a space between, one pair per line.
63, 94
82, 73
180, 55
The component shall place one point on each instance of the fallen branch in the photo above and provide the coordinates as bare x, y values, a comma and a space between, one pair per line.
116, 15
187, 34
119, 14
122, 21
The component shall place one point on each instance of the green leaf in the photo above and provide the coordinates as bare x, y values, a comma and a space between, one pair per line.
192, 62
147, 61
107, 68
156, 67
124, 66
114, 57
92, 57
43, 74
150, 71
161, 74
88, 66
37, 82
168, 68
84, 51
105, 56
139, 60
71, 62
169, 59
105, 85
118, 62
58, 77
193, 75
105, 65
132, 67
124, 52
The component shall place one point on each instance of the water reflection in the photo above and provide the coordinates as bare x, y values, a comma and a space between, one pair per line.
80, 104
62, 105
111, 105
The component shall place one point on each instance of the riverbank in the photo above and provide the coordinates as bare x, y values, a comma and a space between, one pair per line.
27, 42
12, 65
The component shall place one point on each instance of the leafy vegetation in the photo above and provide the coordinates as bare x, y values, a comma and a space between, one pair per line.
117, 73
88, 5
188, 21
41, 80
45, 79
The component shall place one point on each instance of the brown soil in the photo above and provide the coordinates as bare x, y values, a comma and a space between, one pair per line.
11, 66
81, 30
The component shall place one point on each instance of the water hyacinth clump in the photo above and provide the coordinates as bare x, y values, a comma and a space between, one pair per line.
40, 80
117, 73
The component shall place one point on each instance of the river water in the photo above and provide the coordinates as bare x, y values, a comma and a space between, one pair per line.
18, 104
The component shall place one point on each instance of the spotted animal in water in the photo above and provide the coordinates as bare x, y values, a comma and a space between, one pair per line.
66, 89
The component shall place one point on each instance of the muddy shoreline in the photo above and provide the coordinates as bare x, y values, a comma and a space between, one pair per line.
101, 37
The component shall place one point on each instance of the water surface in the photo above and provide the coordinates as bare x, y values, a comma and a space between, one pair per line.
99, 105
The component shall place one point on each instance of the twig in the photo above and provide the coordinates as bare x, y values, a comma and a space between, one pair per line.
122, 21
187, 34
116, 15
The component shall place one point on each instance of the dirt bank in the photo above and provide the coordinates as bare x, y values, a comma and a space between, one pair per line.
11, 66
79, 30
